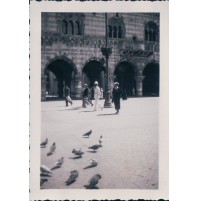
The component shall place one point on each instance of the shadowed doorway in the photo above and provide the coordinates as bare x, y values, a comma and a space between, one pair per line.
59, 72
94, 71
124, 73
151, 80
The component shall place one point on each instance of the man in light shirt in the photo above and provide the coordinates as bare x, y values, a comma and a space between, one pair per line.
97, 95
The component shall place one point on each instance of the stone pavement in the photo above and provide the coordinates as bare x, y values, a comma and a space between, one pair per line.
128, 158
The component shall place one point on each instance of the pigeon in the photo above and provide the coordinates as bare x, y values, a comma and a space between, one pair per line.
58, 164
87, 134
93, 182
100, 140
44, 143
95, 147
78, 152
73, 176
93, 162
45, 170
42, 181
52, 149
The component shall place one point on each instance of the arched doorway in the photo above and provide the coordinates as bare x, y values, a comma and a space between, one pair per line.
124, 73
59, 73
94, 71
151, 80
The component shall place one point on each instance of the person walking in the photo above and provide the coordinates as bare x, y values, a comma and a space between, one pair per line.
116, 94
97, 95
85, 96
67, 95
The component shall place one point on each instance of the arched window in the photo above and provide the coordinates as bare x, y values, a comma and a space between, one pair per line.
70, 28
77, 28
116, 27
154, 36
119, 32
64, 27
110, 31
150, 35
146, 35
114, 32
151, 32
70, 23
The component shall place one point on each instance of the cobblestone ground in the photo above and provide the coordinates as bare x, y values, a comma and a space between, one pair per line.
128, 158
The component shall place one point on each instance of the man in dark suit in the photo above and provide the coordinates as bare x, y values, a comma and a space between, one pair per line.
85, 96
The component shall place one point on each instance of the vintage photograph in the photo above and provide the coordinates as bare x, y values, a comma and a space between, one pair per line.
100, 100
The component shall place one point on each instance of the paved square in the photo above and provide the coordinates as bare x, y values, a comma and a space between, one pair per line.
128, 158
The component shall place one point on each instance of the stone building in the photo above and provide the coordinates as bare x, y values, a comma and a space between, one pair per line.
71, 52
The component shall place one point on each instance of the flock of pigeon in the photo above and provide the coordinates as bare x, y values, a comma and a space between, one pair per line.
47, 172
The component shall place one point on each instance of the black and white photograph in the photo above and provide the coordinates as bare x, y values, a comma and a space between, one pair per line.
100, 101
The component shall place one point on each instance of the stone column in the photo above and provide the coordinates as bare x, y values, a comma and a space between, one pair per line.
43, 87
139, 79
78, 86
139, 88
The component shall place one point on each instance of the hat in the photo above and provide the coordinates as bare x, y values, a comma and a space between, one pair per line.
96, 82
116, 83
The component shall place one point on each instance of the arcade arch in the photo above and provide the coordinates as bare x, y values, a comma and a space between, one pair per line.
124, 74
151, 80
59, 73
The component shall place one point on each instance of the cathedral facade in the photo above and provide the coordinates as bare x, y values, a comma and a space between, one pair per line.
72, 54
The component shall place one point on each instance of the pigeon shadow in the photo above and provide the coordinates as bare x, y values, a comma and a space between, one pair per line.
42, 146
85, 137
56, 167
90, 187
45, 175
49, 154
106, 114
76, 157
89, 166
69, 183
92, 151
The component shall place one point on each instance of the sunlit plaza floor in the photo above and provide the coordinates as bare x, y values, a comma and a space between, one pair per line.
128, 158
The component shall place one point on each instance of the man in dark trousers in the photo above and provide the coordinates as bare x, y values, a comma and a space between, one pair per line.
67, 94
85, 96
117, 92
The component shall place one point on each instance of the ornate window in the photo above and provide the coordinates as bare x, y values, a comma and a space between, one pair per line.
151, 32
77, 28
70, 28
64, 27
116, 27
70, 24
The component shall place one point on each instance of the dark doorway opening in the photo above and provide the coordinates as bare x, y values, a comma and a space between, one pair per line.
151, 80
59, 74
124, 73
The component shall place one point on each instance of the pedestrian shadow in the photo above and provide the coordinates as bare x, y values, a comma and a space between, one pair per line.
88, 111
106, 114
74, 108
